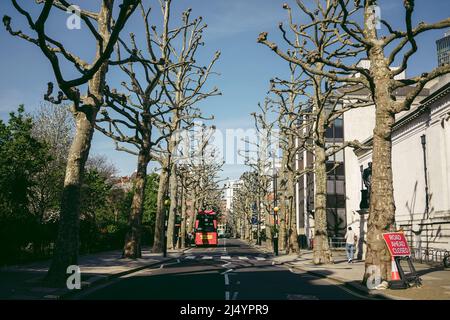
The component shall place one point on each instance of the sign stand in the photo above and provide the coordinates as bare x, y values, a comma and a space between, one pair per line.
407, 279
400, 252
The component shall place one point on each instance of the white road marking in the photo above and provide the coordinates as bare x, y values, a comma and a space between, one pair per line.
301, 297
260, 258
227, 295
243, 258
227, 271
206, 257
225, 257
168, 264
190, 257
235, 295
227, 280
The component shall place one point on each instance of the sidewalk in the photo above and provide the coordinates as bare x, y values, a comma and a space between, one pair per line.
25, 281
435, 280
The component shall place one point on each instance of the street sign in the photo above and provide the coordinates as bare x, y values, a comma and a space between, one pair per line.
397, 244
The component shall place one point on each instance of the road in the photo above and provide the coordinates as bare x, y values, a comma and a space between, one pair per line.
231, 271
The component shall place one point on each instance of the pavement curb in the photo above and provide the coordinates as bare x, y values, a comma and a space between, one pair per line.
101, 279
353, 286
359, 288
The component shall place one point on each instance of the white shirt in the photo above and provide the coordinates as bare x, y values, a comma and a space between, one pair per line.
350, 237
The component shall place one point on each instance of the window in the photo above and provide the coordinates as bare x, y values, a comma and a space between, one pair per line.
338, 128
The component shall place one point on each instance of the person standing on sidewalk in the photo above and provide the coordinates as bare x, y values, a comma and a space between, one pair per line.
350, 241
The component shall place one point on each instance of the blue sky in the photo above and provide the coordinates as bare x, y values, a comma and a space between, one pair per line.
233, 26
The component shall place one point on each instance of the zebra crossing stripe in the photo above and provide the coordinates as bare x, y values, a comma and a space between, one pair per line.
190, 257
206, 257
225, 257
243, 258
260, 258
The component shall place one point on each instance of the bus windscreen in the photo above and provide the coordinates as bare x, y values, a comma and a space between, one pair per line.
206, 225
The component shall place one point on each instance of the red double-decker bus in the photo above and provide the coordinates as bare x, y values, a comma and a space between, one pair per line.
206, 228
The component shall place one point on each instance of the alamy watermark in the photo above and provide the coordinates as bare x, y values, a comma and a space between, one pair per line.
374, 17
73, 22
229, 146
374, 279
74, 279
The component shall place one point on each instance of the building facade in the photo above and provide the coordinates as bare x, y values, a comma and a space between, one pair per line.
443, 50
305, 188
420, 165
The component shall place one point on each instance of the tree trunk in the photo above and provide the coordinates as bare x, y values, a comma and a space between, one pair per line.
382, 206
183, 219
282, 220
173, 185
132, 247
67, 242
322, 252
158, 242
292, 229
283, 208
268, 230
191, 226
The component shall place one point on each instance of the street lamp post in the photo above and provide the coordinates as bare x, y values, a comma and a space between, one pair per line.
275, 235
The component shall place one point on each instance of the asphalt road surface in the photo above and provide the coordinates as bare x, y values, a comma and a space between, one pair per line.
231, 271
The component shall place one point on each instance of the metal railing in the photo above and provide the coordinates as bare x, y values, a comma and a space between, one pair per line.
429, 256
336, 242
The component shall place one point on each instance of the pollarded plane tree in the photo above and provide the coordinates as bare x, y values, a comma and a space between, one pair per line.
383, 45
179, 156
306, 110
105, 30
197, 169
318, 38
262, 164
186, 182
243, 198
184, 87
293, 125
134, 117
178, 152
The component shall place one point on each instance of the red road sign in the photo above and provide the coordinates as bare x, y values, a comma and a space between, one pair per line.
397, 244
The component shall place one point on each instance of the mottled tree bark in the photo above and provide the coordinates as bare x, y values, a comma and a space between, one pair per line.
321, 250
158, 242
382, 206
282, 222
173, 185
292, 228
132, 247
183, 219
67, 242
268, 230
